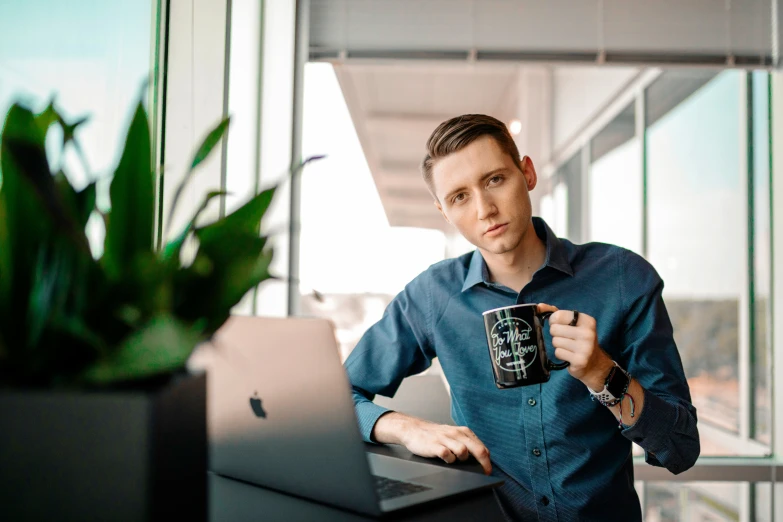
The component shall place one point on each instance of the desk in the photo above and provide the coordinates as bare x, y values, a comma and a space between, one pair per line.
231, 500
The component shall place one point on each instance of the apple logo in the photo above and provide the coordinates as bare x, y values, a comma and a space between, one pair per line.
255, 404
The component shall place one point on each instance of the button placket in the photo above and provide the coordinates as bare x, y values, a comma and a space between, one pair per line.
536, 446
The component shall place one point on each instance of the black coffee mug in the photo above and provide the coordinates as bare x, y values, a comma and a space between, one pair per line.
516, 346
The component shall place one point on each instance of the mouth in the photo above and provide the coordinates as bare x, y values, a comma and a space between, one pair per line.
496, 230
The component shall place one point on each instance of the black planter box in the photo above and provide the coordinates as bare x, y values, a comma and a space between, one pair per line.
113, 456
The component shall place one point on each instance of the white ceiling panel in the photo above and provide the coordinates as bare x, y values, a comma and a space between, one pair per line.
395, 108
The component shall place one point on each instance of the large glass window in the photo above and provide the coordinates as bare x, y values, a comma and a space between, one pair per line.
697, 230
704, 502
92, 57
615, 186
761, 339
554, 208
352, 261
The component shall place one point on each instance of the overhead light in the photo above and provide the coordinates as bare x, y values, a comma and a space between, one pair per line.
515, 127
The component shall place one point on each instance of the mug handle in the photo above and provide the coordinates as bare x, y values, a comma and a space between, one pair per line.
543, 316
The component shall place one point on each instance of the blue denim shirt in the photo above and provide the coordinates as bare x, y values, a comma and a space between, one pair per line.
562, 455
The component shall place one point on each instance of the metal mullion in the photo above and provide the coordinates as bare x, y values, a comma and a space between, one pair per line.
751, 259
259, 126
745, 342
584, 197
641, 135
226, 86
160, 84
771, 289
301, 43
771, 304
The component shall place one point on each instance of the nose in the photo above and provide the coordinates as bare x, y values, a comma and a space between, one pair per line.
485, 207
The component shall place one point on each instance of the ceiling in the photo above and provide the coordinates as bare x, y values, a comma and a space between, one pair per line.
395, 107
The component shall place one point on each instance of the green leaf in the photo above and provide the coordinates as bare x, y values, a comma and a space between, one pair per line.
246, 219
238, 262
163, 345
75, 328
43, 284
25, 224
6, 266
212, 139
151, 282
80, 204
47, 117
173, 248
85, 204
25, 166
69, 129
132, 192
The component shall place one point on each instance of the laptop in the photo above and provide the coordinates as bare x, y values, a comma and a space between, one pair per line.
280, 415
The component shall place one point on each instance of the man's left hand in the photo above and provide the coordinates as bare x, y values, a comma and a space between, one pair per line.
579, 346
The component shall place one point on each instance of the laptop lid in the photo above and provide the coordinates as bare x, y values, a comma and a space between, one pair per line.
280, 412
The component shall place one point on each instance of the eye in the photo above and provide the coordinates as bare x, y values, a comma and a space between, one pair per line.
459, 197
494, 180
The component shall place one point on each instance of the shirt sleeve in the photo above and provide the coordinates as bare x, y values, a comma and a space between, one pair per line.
666, 429
393, 348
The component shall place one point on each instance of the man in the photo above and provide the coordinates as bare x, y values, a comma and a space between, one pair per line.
563, 454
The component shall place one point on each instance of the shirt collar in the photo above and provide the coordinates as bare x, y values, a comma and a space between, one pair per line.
556, 257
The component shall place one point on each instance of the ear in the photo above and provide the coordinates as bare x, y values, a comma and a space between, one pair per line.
440, 209
529, 171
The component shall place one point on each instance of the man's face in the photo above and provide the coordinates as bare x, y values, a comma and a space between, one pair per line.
482, 192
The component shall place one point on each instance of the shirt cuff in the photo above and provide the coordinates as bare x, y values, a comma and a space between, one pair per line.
367, 414
653, 425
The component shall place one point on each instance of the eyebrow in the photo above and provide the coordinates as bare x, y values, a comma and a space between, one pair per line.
483, 178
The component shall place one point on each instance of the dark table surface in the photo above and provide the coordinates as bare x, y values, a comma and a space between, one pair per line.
231, 500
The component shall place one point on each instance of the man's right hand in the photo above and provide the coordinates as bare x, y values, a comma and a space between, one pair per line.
427, 439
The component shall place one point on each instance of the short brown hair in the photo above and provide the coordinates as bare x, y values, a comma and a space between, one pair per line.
459, 132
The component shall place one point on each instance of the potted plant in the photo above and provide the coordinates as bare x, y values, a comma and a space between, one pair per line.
98, 419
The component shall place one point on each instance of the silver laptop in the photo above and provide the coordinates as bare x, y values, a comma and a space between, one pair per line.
280, 415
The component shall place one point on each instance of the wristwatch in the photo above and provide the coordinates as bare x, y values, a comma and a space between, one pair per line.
615, 386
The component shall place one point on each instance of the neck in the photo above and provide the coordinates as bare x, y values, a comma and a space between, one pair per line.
515, 268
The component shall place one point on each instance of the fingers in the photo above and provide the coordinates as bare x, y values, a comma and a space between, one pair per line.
476, 448
445, 454
543, 307
569, 345
457, 448
572, 332
449, 443
463, 443
564, 317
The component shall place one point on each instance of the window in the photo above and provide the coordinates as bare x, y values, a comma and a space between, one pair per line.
697, 241
761, 339
92, 57
615, 185
352, 262
554, 209
703, 501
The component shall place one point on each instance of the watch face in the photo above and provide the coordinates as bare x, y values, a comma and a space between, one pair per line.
618, 382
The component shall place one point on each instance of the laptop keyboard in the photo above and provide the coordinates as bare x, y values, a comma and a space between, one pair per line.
389, 488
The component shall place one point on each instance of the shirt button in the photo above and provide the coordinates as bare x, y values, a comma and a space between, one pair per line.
536, 452
545, 501
531, 402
